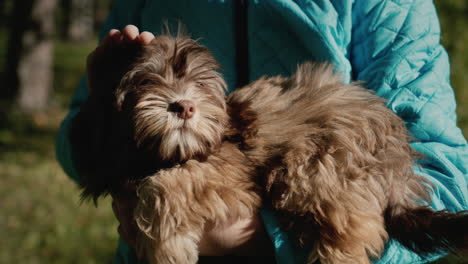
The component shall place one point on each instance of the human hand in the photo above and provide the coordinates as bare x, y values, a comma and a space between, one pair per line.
243, 237
107, 63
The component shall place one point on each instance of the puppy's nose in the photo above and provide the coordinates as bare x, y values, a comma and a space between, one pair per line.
185, 109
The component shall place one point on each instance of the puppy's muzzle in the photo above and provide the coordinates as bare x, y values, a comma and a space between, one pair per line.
185, 109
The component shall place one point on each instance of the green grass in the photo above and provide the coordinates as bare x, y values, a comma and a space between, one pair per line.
41, 218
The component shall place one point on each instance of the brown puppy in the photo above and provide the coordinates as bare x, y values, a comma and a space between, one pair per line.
330, 158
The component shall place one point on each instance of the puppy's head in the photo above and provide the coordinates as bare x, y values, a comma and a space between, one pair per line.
175, 99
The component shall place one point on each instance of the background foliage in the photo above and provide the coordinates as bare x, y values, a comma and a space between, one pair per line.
41, 218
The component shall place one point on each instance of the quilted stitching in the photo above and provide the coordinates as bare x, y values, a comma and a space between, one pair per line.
407, 66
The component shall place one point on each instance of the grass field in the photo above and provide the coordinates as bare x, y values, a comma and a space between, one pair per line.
41, 218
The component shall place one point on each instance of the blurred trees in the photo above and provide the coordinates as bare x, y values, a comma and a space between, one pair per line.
31, 27
29, 56
2, 10
80, 19
25, 79
101, 7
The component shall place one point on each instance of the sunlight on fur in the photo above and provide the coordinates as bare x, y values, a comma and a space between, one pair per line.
332, 161
184, 71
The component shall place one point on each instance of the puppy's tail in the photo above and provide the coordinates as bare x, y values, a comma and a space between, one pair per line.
425, 231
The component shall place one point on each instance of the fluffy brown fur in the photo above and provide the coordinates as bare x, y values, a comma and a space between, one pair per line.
330, 158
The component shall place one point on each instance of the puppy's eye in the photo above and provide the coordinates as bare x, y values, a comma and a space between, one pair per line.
200, 84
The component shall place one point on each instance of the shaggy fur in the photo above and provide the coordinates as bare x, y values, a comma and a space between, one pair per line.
330, 158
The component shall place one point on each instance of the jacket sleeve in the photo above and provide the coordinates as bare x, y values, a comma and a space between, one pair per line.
396, 51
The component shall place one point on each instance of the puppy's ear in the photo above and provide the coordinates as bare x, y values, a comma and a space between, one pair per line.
107, 68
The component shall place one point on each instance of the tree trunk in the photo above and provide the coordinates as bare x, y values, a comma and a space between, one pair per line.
101, 9
2, 11
81, 25
30, 54
65, 18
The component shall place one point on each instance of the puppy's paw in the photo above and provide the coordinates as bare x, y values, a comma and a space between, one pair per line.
177, 249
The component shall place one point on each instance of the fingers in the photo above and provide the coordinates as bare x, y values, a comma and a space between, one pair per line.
113, 36
146, 37
130, 33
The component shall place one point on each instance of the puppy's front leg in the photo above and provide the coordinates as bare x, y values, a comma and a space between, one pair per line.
175, 204
177, 248
169, 231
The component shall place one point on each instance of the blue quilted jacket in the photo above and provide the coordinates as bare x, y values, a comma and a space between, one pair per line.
392, 45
